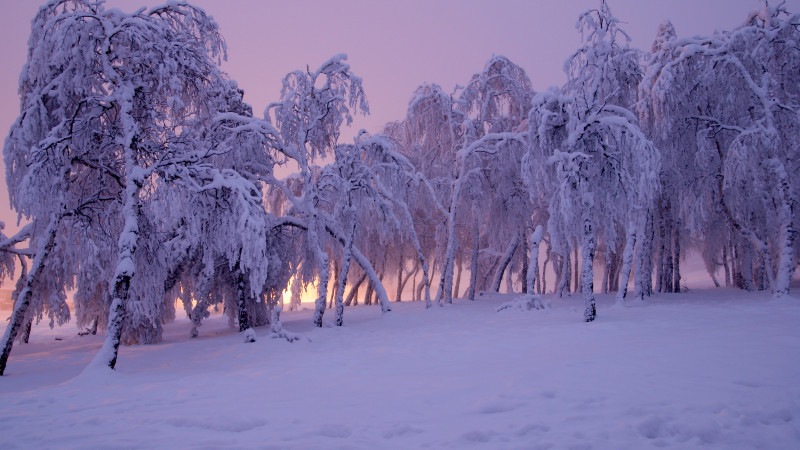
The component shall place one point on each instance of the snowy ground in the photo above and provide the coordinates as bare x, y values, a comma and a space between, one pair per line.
714, 368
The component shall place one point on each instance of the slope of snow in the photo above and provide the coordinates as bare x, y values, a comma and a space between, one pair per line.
715, 368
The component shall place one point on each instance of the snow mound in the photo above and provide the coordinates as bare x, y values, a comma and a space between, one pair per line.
525, 303
249, 335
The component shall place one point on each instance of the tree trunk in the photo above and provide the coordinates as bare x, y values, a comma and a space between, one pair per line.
786, 232
587, 274
473, 268
750, 234
557, 270
543, 286
641, 255
677, 258
526, 263
409, 275
533, 266
322, 288
18, 287
414, 287
420, 256
566, 265
575, 272
400, 264
713, 278
667, 285
510, 278
726, 265
606, 264
368, 294
242, 292
199, 312
662, 251
613, 271
296, 298
368, 269
347, 252
643, 279
504, 262
747, 266
446, 281
336, 270
353, 294
362, 261
627, 262
23, 300
418, 293
125, 270
457, 284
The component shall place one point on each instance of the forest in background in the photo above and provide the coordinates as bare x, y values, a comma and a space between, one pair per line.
148, 182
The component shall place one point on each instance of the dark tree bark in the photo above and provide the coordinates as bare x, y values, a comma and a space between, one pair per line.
677, 258
525, 262
587, 283
241, 297
504, 262
352, 296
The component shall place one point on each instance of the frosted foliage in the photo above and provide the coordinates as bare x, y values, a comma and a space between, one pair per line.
610, 162
497, 99
6, 258
432, 124
143, 161
314, 106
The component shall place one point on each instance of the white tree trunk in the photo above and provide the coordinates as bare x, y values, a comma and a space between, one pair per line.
786, 232
627, 262
322, 288
125, 270
446, 282
587, 270
533, 266
564, 279
348, 250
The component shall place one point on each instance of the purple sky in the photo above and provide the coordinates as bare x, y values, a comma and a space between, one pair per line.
394, 46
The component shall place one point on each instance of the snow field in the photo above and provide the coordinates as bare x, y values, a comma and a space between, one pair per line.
713, 368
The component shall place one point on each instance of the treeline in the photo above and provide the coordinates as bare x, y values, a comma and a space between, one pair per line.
148, 182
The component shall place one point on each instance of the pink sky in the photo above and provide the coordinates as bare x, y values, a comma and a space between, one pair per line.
394, 46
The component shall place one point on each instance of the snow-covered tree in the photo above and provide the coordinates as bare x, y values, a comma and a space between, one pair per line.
736, 92
309, 116
605, 169
114, 118
497, 101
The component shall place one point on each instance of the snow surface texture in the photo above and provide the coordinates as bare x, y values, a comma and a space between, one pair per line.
716, 368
